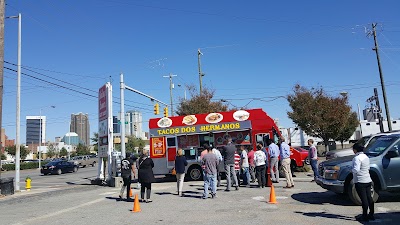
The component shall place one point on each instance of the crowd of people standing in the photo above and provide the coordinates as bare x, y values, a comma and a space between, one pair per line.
240, 163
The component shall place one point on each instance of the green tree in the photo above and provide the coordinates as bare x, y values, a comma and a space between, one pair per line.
200, 102
63, 152
51, 150
134, 142
82, 150
348, 129
11, 150
319, 114
3, 156
95, 140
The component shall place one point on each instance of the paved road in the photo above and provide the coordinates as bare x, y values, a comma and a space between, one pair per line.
306, 204
40, 181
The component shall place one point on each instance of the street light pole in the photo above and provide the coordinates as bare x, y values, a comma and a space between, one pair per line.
184, 91
171, 86
40, 138
17, 139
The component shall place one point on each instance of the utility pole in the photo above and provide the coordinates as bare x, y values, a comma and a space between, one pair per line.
18, 117
376, 99
122, 119
376, 49
2, 13
200, 73
171, 86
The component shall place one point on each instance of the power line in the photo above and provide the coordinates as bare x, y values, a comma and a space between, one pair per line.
70, 89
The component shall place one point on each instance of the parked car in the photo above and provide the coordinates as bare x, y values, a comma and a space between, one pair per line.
364, 141
336, 174
58, 167
84, 160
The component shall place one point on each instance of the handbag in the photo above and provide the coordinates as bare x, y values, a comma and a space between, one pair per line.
173, 171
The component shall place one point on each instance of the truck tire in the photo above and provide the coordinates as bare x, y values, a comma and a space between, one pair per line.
352, 193
195, 173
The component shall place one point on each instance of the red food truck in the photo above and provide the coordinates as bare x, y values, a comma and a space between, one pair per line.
245, 127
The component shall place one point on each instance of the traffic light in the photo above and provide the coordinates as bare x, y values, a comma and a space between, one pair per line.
166, 112
156, 109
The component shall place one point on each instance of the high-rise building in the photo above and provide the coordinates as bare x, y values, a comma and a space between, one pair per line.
35, 129
133, 124
116, 125
80, 125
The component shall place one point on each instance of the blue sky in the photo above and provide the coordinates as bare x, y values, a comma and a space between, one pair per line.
251, 50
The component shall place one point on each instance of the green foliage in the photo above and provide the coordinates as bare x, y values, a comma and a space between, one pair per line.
95, 140
63, 152
23, 165
12, 151
3, 156
319, 114
200, 102
82, 150
73, 154
349, 127
51, 150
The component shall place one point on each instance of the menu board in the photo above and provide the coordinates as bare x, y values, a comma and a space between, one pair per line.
188, 141
158, 147
238, 137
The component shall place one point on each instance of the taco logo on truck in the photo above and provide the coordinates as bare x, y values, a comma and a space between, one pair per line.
201, 128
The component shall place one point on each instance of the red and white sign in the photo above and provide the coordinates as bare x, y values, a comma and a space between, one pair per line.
105, 121
103, 106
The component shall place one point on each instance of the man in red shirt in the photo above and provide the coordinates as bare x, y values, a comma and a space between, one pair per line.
237, 166
250, 155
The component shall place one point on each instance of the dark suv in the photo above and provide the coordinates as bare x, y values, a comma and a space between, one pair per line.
336, 174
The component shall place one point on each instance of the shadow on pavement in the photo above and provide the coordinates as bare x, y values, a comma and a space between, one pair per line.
164, 193
326, 215
72, 183
120, 200
319, 198
380, 218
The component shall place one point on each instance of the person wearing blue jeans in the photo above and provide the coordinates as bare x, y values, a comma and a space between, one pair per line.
244, 161
312, 154
210, 163
228, 153
211, 182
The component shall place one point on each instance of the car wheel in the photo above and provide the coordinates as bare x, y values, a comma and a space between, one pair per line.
195, 173
59, 172
352, 193
75, 169
94, 164
83, 166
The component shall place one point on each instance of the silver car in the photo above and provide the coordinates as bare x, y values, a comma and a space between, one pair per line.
364, 141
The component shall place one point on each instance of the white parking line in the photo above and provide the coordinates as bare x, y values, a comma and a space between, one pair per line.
60, 212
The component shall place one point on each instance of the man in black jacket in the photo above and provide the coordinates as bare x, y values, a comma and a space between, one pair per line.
229, 160
126, 174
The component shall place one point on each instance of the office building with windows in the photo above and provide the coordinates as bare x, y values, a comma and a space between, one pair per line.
35, 129
133, 124
80, 125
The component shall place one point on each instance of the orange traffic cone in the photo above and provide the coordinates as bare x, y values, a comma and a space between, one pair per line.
269, 181
272, 198
136, 206
130, 193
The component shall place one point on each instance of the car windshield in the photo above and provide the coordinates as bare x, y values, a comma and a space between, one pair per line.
381, 145
52, 163
363, 140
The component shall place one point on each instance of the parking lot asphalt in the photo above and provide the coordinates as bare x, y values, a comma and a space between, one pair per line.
306, 203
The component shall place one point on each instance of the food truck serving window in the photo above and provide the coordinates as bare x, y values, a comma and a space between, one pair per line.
171, 141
